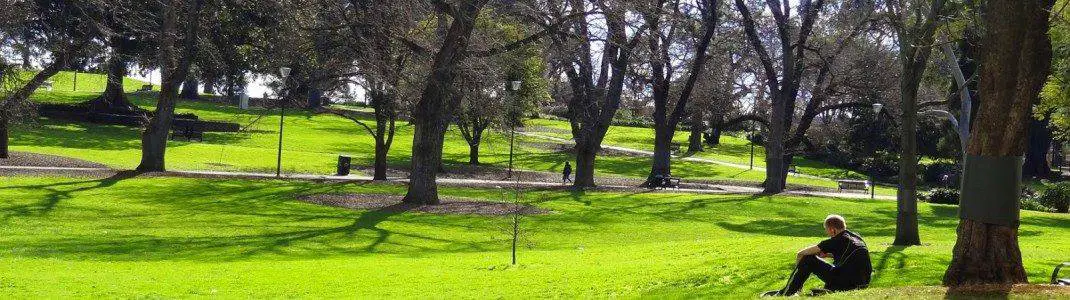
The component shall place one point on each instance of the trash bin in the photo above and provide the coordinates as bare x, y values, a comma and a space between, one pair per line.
343, 165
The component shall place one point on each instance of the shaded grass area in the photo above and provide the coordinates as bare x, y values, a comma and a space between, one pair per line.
174, 237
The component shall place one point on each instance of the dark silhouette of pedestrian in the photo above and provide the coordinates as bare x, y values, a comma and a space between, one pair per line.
566, 174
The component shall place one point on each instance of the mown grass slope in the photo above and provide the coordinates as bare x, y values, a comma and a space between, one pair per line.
172, 237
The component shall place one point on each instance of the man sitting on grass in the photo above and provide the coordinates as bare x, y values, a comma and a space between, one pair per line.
850, 268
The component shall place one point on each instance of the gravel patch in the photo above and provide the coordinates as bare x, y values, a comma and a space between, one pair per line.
449, 205
546, 129
44, 160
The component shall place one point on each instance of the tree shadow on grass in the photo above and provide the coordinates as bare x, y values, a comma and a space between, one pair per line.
368, 220
225, 220
893, 254
57, 194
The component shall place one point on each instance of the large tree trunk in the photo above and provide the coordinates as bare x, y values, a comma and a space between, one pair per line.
189, 88
381, 150
662, 154
473, 154
173, 71
914, 53
1015, 62
1036, 154
437, 100
114, 97
585, 159
716, 129
209, 84
906, 221
473, 144
776, 168
694, 139
3, 136
154, 138
315, 99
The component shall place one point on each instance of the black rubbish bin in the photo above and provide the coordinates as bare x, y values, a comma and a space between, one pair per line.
343, 165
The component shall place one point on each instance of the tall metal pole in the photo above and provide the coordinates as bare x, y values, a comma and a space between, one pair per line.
75, 88
512, 136
512, 87
751, 139
282, 119
284, 72
872, 187
752, 155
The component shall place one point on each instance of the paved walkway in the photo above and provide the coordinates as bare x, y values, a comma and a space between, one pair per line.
649, 153
704, 188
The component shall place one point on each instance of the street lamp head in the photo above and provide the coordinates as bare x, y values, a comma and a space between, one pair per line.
284, 71
877, 108
515, 85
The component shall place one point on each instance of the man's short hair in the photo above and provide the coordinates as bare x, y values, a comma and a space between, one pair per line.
835, 222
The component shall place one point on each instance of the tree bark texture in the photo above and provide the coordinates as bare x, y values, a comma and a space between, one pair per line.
595, 100
3, 136
914, 52
906, 220
189, 88
114, 98
173, 71
1015, 62
694, 139
784, 84
717, 125
382, 148
436, 101
666, 121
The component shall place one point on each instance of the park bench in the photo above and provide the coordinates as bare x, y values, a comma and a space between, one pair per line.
1055, 275
189, 132
47, 85
674, 148
858, 185
145, 88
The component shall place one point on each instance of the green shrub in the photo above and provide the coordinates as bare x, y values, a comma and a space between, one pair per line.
942, 196
1055, 196
935, 172
883, 165
1031, 203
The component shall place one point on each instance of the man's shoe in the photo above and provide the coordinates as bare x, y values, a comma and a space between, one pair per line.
819, 292
774, 293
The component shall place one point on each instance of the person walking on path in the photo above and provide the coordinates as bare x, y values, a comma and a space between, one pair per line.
566, 174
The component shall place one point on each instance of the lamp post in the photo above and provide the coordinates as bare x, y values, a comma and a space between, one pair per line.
513, 86
285, 72
877, 107
751, 139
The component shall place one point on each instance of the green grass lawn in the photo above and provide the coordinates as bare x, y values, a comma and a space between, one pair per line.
178, 238
311, 142
732, 149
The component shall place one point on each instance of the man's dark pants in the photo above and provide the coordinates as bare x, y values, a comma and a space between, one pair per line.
825, 271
